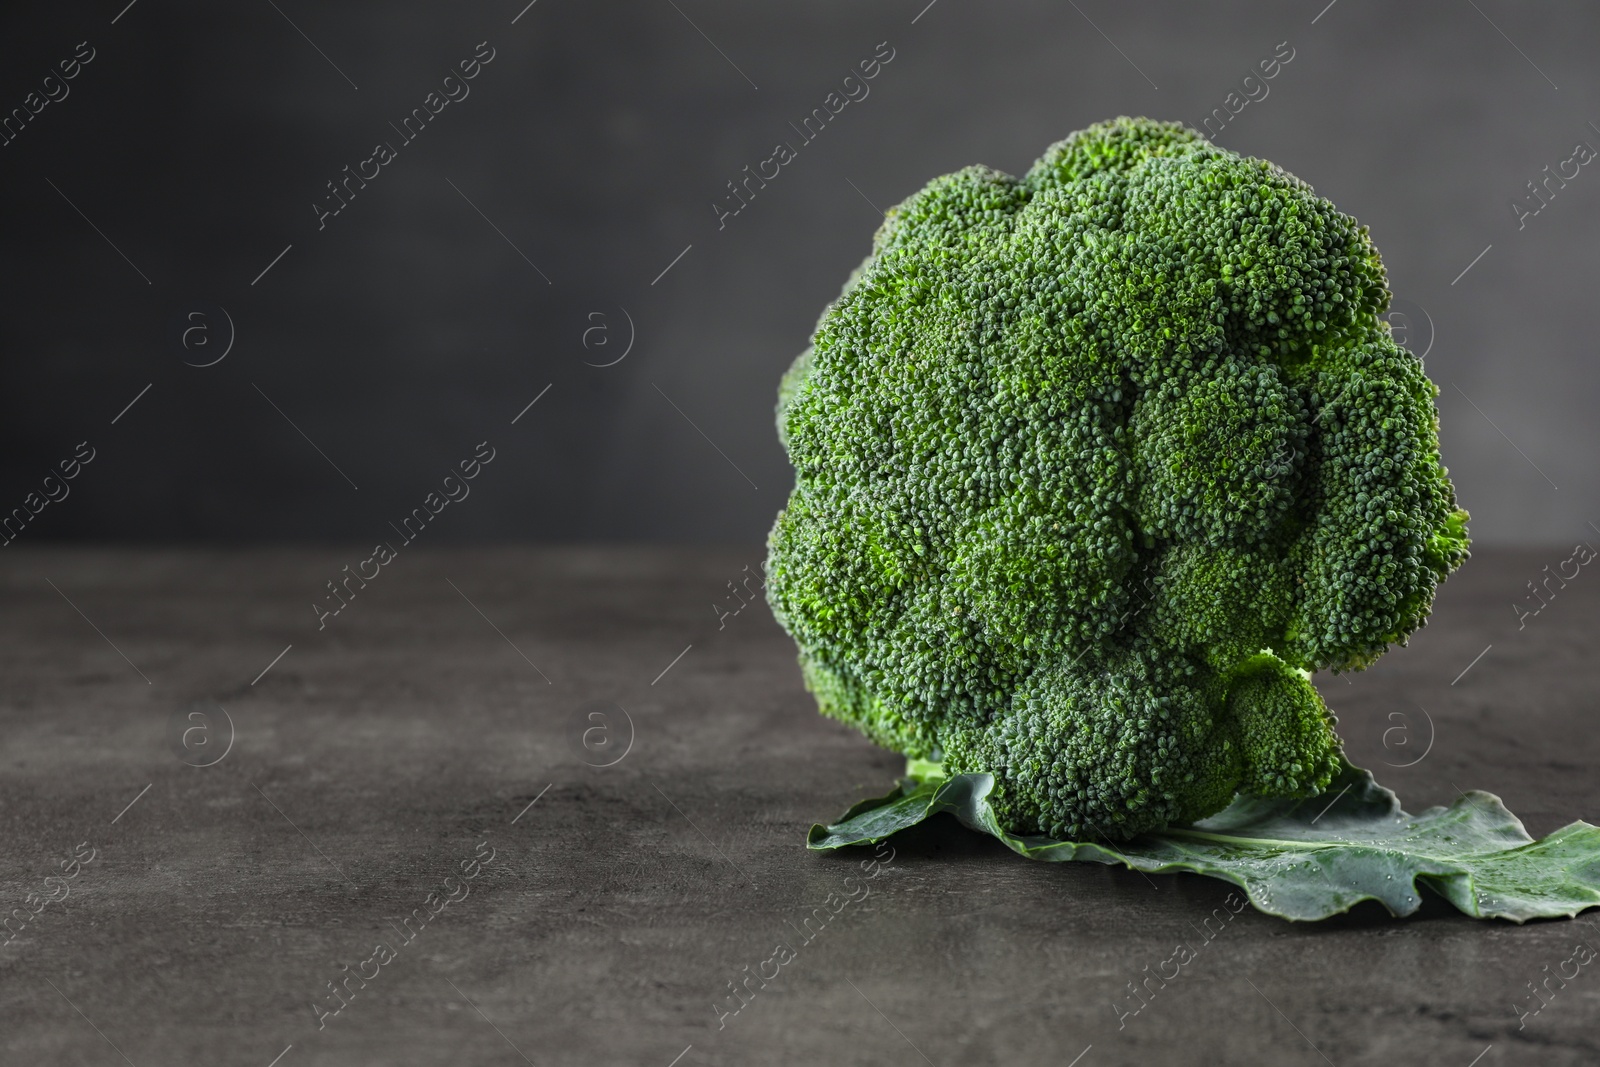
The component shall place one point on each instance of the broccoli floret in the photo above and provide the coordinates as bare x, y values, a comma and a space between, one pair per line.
1094, 466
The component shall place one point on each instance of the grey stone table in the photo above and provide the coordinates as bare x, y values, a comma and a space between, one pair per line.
251, 824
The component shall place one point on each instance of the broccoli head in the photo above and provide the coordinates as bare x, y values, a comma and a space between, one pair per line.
1094, 467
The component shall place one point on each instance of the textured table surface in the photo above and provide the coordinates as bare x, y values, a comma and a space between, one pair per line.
378, 756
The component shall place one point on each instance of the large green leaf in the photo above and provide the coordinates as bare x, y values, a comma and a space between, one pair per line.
1300, 859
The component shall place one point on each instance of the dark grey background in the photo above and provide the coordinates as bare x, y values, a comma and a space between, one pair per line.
408, 330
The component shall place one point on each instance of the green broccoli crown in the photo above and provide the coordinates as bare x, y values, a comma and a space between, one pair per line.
1093, 466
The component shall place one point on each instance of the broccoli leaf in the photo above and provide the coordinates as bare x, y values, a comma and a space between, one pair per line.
1300, 859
